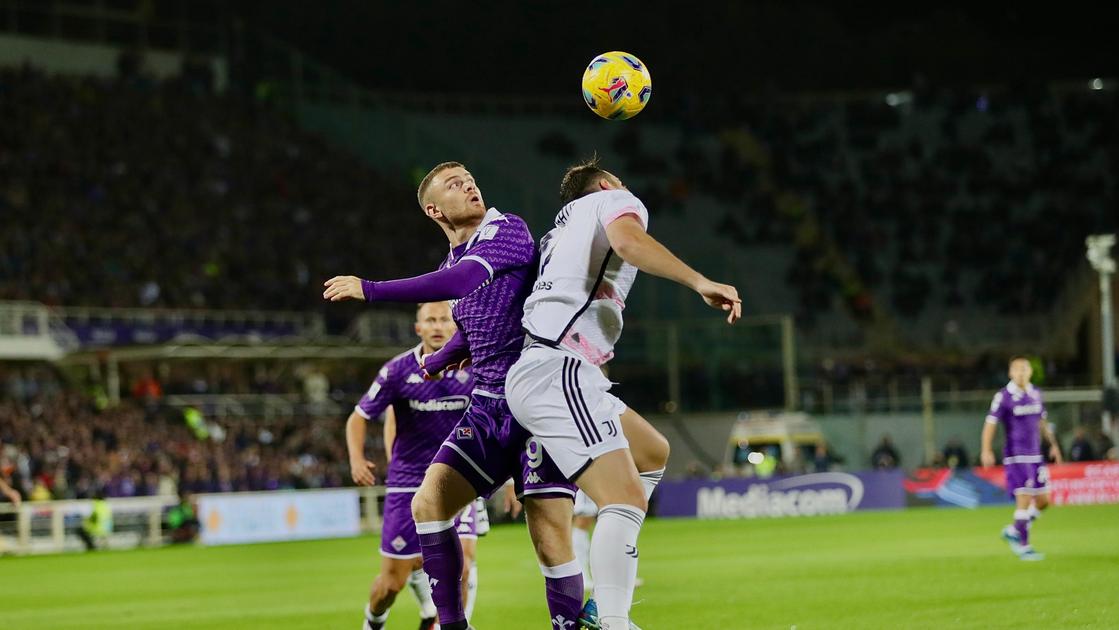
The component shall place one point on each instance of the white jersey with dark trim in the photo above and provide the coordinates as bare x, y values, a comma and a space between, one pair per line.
580, 293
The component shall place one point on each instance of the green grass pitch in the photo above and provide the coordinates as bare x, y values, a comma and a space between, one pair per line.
921, 568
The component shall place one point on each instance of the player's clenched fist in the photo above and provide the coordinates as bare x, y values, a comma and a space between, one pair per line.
341, 288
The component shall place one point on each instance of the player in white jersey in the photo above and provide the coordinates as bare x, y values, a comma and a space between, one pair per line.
557, 391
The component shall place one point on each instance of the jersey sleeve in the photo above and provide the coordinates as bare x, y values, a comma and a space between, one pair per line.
621, 203
379, 396
503, 245
996, 412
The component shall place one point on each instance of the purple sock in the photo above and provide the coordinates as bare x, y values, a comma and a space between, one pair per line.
564, 589
442, 554
1022, 525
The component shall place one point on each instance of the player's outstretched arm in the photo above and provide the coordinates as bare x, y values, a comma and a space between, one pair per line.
361, 469
452, 283
629, 240
455, 352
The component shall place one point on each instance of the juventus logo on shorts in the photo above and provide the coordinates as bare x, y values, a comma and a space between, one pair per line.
631, 551
611, 430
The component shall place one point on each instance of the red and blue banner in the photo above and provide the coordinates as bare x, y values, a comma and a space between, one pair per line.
1076, 483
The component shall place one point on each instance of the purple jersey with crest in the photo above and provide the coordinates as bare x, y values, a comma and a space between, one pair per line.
490, 317
1020, 411
426, 412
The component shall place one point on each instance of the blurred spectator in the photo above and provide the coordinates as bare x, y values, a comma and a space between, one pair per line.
181, 521
885, 456
1080, 450
955, 454
823, 459
98, 525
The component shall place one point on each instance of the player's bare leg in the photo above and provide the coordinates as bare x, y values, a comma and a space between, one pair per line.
549, 527
442, 495
648, 447
394, 575
581, 527
469, 574
612, 482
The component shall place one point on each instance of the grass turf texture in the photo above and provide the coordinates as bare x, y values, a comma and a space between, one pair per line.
923, 568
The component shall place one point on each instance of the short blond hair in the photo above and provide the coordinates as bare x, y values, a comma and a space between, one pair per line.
425, 183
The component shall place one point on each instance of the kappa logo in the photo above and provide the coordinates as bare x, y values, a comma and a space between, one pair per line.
414, 378
432, 581
533, 478
487, 233
398, 543
464, 433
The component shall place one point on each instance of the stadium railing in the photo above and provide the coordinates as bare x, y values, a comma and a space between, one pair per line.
44, 527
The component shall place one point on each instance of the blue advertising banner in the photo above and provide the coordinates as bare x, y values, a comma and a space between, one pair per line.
797, 495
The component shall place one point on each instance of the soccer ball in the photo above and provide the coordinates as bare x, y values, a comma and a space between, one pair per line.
616, 85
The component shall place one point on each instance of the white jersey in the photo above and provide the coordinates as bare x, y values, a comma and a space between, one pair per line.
580, 293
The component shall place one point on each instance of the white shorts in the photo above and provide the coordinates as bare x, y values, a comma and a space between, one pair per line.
566, 404
584, 506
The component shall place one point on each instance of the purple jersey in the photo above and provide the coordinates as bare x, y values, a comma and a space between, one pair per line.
426, 411
490, 317
1020, 412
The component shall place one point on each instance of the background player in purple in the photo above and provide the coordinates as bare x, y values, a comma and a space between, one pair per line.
1018, 407
488, 273
419, 414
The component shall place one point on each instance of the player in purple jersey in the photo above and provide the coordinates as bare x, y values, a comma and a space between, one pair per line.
419, 414
1018, 407
488, 274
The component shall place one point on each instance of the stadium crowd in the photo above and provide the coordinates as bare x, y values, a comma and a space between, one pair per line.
56, 442
131, 192
902, 201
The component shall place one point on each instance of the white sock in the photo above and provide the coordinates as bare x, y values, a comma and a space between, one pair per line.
1033, 512
471, 590
422, 590
650, 480
581, 543
371, 619
614, 563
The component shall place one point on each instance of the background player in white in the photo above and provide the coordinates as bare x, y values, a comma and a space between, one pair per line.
557, 390
1019, 408
428, 409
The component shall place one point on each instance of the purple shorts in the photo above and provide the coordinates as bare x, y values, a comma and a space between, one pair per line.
398, 530
1026, 479
488, 446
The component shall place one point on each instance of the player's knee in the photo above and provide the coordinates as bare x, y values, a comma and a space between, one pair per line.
387, 586
660, 451
1041, 502
423, 507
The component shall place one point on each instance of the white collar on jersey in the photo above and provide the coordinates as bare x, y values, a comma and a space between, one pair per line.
1014, 390
492, 215
416, 353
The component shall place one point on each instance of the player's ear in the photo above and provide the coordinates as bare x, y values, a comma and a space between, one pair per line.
432, 212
